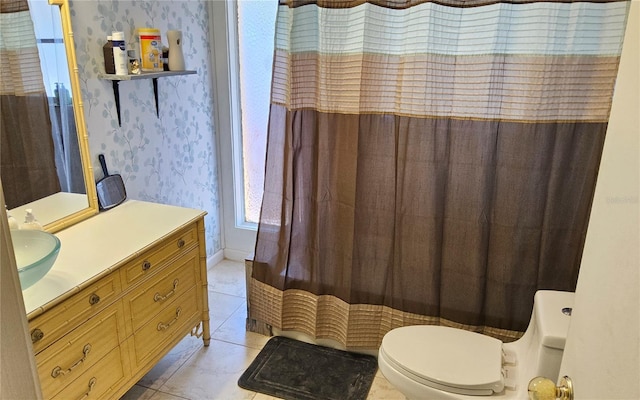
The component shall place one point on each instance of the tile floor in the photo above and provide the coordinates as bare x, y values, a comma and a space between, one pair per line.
194, 372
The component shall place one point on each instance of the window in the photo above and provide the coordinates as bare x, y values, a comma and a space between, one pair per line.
242, 39
53, 57
256, 29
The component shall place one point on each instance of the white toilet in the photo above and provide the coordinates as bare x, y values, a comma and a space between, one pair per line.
437, 362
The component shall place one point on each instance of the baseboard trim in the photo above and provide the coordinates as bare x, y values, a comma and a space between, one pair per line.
228, 254
215, 258
236, 255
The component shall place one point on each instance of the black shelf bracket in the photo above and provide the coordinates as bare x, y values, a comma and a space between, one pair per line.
116, 96
116, 79
155, 95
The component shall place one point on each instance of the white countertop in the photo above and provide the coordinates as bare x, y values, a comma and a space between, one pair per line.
102, 242
52, 208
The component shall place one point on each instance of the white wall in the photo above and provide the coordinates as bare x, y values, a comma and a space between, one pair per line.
170, 159
602, 354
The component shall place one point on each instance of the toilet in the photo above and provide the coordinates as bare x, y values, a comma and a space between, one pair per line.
438, 362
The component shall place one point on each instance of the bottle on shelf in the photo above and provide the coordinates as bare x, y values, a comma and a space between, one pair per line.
176, 56
120, 53
107, 51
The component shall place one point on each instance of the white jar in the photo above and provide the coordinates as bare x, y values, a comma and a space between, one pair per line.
119, 53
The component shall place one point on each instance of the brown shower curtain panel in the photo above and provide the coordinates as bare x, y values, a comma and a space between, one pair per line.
27, 160
429, 162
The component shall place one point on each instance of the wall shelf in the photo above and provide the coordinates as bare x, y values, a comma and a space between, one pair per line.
116, 79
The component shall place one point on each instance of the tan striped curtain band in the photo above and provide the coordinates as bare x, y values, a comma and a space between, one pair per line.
20, 72
516, 61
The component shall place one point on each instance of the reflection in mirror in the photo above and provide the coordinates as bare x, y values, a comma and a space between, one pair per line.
55, 73
43, 139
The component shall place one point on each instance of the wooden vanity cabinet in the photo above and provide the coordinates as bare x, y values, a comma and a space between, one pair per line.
98, 342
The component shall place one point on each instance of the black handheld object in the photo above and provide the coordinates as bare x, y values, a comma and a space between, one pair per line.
110, 188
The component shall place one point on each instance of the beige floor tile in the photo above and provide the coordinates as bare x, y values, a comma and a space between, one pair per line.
170, 363
212, 373
234, 331
138, 393
222, 306
228, 277
165, 396
381, 389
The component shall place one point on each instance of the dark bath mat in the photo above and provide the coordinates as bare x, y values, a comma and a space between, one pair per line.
295, 370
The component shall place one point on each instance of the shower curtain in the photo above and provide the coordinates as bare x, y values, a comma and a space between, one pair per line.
65, 138
27, 153
429, 162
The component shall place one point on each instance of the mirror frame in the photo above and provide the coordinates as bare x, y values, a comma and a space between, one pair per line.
81, 128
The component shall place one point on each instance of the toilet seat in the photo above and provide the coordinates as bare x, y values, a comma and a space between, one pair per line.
449, 359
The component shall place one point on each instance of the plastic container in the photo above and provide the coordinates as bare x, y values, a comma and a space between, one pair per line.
150, 49
13, 223
30, 222
176, 57
119, 53
107, 51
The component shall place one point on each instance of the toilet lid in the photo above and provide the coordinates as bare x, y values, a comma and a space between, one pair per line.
449, 359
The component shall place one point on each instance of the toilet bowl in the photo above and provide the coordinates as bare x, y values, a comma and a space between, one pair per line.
438, 362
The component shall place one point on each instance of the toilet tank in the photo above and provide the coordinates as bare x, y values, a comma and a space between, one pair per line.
552, 313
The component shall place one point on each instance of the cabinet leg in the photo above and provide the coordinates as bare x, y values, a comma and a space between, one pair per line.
206, 330
206, 334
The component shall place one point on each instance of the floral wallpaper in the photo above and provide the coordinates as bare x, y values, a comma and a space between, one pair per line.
169, 159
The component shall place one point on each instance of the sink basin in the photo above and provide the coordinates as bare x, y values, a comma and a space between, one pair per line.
35, 251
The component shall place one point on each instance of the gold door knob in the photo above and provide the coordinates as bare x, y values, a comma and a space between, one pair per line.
36, 335
94, 299
541, 388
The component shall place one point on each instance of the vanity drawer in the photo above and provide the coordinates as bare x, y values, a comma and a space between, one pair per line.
99, 381
151, 297
65, 360
156, 258
52, 325
177, 318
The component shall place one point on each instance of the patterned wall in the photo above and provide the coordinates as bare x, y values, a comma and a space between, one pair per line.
171, 159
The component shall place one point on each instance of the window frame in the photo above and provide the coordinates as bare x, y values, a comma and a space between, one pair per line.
238, 236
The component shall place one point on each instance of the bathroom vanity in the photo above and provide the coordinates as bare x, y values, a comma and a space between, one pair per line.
128, 285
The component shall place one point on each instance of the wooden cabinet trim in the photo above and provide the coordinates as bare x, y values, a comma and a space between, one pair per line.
67, 326
64, 296
141, 305
81, 349
78, 308
159, 257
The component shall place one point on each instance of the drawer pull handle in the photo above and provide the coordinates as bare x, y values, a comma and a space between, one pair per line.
92, 383
181, 243
159, 297
57, 371
36, 335
162, 326
94, 299
146, 265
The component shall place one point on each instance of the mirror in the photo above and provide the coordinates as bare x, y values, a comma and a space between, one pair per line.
51, 174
